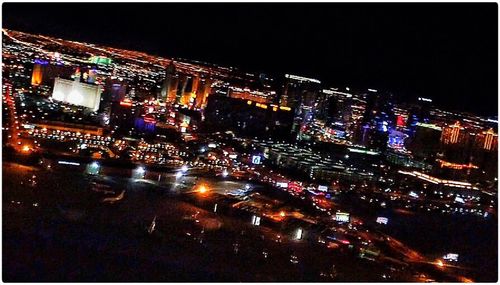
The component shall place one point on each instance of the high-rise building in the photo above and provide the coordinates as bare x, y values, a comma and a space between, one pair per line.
453, 134
358, 108
263, 97
77, 93
44, 73
426, 141
204, 89
169, 87
457, 143
123, 114
181, 88
487, 140
300, 93
420, 112
114, 91
189, 89
333, 110
401, 117
484, 153
247, 117
36, 78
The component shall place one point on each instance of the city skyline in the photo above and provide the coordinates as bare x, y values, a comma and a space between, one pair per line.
303, 143
387, 47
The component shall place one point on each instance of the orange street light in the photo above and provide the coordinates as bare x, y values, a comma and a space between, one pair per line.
26, 148
202, 189
439, 263
282, 213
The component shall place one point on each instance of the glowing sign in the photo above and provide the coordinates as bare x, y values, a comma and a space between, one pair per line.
100, 60
451, 257
322, 188
255, 220
126, 102
342, 217
68, 162
382, 220
256, 159
298, 234
149, 120
413, 194
459, 200
41, 61
295, 186
455, 165
400, 122
282, 184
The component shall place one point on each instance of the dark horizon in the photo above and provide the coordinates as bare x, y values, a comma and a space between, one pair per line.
447, 52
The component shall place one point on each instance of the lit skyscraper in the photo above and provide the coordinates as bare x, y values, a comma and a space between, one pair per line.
300, 93
36, 78
77, 93
168, 89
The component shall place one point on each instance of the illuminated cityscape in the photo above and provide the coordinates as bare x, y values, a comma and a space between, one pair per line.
122, 165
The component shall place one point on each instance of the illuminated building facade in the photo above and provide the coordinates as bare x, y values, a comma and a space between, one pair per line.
376, 121
401, 117
70, 127
123, 114
189, 90
77, 93
358, 109
146, 123
36, 78
333, 113
300, 93
453, 134
263, 97
169, 87
487, 140
419, 113
466, 146
204, 89
248, 117
45, 73
426, 141
181, 87
114, 90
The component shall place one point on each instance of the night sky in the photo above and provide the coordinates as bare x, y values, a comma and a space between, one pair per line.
447, 52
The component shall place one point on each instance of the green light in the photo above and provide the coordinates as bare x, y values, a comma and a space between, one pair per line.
430, 126
100, 60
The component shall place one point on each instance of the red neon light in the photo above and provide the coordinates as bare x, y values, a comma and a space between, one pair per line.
400, 121
149, 120
295, 187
